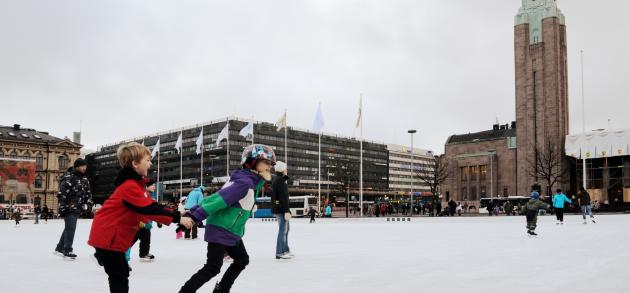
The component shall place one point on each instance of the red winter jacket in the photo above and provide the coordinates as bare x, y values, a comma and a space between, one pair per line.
116, 223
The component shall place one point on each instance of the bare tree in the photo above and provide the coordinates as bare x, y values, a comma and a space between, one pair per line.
548, 164
434, 173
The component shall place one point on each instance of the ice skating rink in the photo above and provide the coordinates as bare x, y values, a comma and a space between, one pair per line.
461, 254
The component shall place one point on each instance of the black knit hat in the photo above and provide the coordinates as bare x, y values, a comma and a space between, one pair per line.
149, 182
79, 162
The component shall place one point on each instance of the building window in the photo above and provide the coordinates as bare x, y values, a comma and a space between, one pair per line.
21, 199
63, 162
474, 173
473, 193
505, 191
26, 157
483, 172
38, 181
39, 162
464, 193
13, 155
482, 191
463, 173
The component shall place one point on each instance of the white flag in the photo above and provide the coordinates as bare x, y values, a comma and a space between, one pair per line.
156, 149
200, 142
224, 134
360, 113
178, 144
282, 122
247, 130
318, 124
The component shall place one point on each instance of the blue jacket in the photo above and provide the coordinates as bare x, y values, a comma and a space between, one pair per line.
195, 197
559, 199
328, 211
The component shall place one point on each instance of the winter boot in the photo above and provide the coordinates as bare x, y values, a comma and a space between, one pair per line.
69, 256
147, 258
219, 289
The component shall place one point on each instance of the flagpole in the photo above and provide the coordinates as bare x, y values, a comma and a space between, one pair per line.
201, 181
181, 159
157, 194
361, 157
286, 161
228, 149
319, 173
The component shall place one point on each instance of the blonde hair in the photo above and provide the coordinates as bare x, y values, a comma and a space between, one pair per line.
131, 152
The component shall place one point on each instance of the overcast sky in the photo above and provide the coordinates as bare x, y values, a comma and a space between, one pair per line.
130, 68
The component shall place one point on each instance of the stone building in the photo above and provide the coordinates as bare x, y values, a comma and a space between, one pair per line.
51, 156
496, 162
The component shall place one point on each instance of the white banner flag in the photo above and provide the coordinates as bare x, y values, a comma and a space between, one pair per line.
199, 142
223, 135
156, 149
282, 122
247, 131
178, 144
360, 113
318, 124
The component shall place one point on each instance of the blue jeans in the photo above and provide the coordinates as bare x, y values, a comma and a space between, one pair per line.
67, 237
586, 209
36, 218
282, 244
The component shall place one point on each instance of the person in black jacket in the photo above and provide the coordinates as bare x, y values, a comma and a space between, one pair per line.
280, 209
74, 196
45, 213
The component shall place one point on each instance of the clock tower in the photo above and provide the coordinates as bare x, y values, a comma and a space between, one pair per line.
542, 117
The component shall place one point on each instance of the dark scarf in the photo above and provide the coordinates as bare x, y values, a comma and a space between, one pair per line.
125, 174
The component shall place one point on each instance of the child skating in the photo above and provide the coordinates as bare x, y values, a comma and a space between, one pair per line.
226, 213
115, 225
531, 212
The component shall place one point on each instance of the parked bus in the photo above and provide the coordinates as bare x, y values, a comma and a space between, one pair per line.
298, 205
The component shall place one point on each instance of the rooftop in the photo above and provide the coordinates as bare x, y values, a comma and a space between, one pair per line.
498, 132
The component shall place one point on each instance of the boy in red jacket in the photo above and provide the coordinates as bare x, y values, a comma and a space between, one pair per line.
116, 223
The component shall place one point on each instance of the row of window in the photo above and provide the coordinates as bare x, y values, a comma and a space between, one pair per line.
473, 173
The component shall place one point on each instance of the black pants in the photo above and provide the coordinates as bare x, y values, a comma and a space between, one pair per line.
312, 219
532, 218
560, 214
216, 252
144, 235
117, 269
193, 230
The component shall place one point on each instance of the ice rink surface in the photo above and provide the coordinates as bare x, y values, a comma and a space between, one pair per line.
461, 254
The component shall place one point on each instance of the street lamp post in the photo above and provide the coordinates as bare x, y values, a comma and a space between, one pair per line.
411, 132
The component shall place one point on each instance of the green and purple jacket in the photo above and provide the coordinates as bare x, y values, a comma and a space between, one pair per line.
227, 210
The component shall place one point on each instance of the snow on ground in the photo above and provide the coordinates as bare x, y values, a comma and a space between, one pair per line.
472, 254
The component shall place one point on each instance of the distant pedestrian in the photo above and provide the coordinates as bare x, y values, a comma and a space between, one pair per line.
17, 216
38, 212
585, 202
531, 212
559, 200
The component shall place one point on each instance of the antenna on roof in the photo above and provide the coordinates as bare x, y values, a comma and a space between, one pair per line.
496, 119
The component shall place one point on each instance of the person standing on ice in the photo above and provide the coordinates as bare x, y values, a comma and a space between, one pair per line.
226, 213
585, 202
194, 198
181, 207
559, 199
280, 209
17, 216
45, 213
74, 196
531, 212
116, 223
